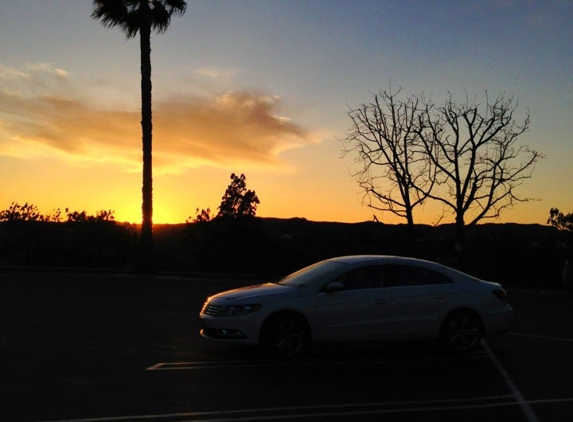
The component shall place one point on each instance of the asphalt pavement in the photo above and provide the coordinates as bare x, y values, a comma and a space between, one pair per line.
120, 347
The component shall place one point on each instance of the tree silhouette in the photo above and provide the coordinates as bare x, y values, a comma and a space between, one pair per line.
383, 135
233, 239
201, 216
238, 202
28, 237
28, 212
479, 162
143, 16
563, 222
463, 156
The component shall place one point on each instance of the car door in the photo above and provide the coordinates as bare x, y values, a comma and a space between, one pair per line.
419, 299
359, 309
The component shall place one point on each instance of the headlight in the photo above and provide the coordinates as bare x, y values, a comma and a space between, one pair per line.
238, 310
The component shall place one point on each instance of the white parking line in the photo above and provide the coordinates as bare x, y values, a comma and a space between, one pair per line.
523, 404
348, 409
302, 412
181, 366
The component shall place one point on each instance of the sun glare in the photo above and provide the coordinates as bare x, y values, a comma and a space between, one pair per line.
162, 215
133, 216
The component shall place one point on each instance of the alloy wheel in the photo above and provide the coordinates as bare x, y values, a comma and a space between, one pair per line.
463, 332
289, 337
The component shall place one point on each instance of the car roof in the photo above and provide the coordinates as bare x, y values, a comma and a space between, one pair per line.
382, 259
358, 260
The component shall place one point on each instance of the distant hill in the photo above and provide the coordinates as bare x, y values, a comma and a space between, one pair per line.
530, 254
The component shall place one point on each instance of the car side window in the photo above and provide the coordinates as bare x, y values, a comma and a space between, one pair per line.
406, 275
362, 278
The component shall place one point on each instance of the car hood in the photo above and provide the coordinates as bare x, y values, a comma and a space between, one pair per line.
256, 292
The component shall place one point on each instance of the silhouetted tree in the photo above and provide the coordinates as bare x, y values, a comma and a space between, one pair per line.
563, 222
238, 202
479, 163
27, 212
83, 217
231, 240
395, 174
28, 237
202, 216
464, 156
143, 16
200, 242
560, 221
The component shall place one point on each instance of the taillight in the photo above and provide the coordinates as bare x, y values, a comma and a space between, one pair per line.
501, 294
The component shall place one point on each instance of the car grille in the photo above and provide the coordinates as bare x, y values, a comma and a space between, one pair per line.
212, 310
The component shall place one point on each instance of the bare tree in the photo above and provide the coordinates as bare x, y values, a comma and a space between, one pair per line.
479, 162
395, 174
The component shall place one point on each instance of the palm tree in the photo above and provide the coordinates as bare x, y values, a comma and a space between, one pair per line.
144, 16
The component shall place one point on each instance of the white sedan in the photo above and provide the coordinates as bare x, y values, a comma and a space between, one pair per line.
357, 298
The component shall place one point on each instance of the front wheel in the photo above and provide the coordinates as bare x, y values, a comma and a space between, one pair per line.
285, 336
462, 331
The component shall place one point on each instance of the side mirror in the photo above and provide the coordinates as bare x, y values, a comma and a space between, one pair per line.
334, 287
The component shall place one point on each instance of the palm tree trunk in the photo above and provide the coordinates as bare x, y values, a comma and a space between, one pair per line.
146, 237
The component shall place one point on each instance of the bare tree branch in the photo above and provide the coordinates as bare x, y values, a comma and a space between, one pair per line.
394, 175
475, 151
464, 156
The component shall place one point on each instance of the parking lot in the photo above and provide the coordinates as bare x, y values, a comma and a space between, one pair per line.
114, 347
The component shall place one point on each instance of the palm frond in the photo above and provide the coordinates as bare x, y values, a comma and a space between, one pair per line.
127, 14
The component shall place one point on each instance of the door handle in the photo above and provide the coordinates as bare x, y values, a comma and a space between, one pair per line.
381, 303
440, 297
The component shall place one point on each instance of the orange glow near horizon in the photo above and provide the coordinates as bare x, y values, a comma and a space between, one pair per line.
316, 196
235, 94
56, 153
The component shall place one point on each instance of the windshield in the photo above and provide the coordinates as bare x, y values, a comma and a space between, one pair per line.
321, 271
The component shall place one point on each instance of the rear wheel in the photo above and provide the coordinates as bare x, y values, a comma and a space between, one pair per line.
285, 336
462, 331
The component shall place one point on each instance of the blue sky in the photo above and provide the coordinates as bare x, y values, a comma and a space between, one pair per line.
263, 88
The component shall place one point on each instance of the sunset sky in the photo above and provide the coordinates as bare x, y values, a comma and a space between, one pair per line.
263, 88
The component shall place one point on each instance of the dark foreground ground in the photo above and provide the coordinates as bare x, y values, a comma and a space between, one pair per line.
112, 347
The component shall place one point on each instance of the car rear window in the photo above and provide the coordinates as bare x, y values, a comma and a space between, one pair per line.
409, 275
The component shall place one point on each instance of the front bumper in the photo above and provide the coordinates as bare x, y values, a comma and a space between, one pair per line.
235, 330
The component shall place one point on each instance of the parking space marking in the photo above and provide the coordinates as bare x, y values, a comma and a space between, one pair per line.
180, 366
290, 413
523, 404
305, 412
568, 340
515, 398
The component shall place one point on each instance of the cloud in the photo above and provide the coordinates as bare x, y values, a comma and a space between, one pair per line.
11, 74
48, 68
236, 126
217, 73
188, 131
